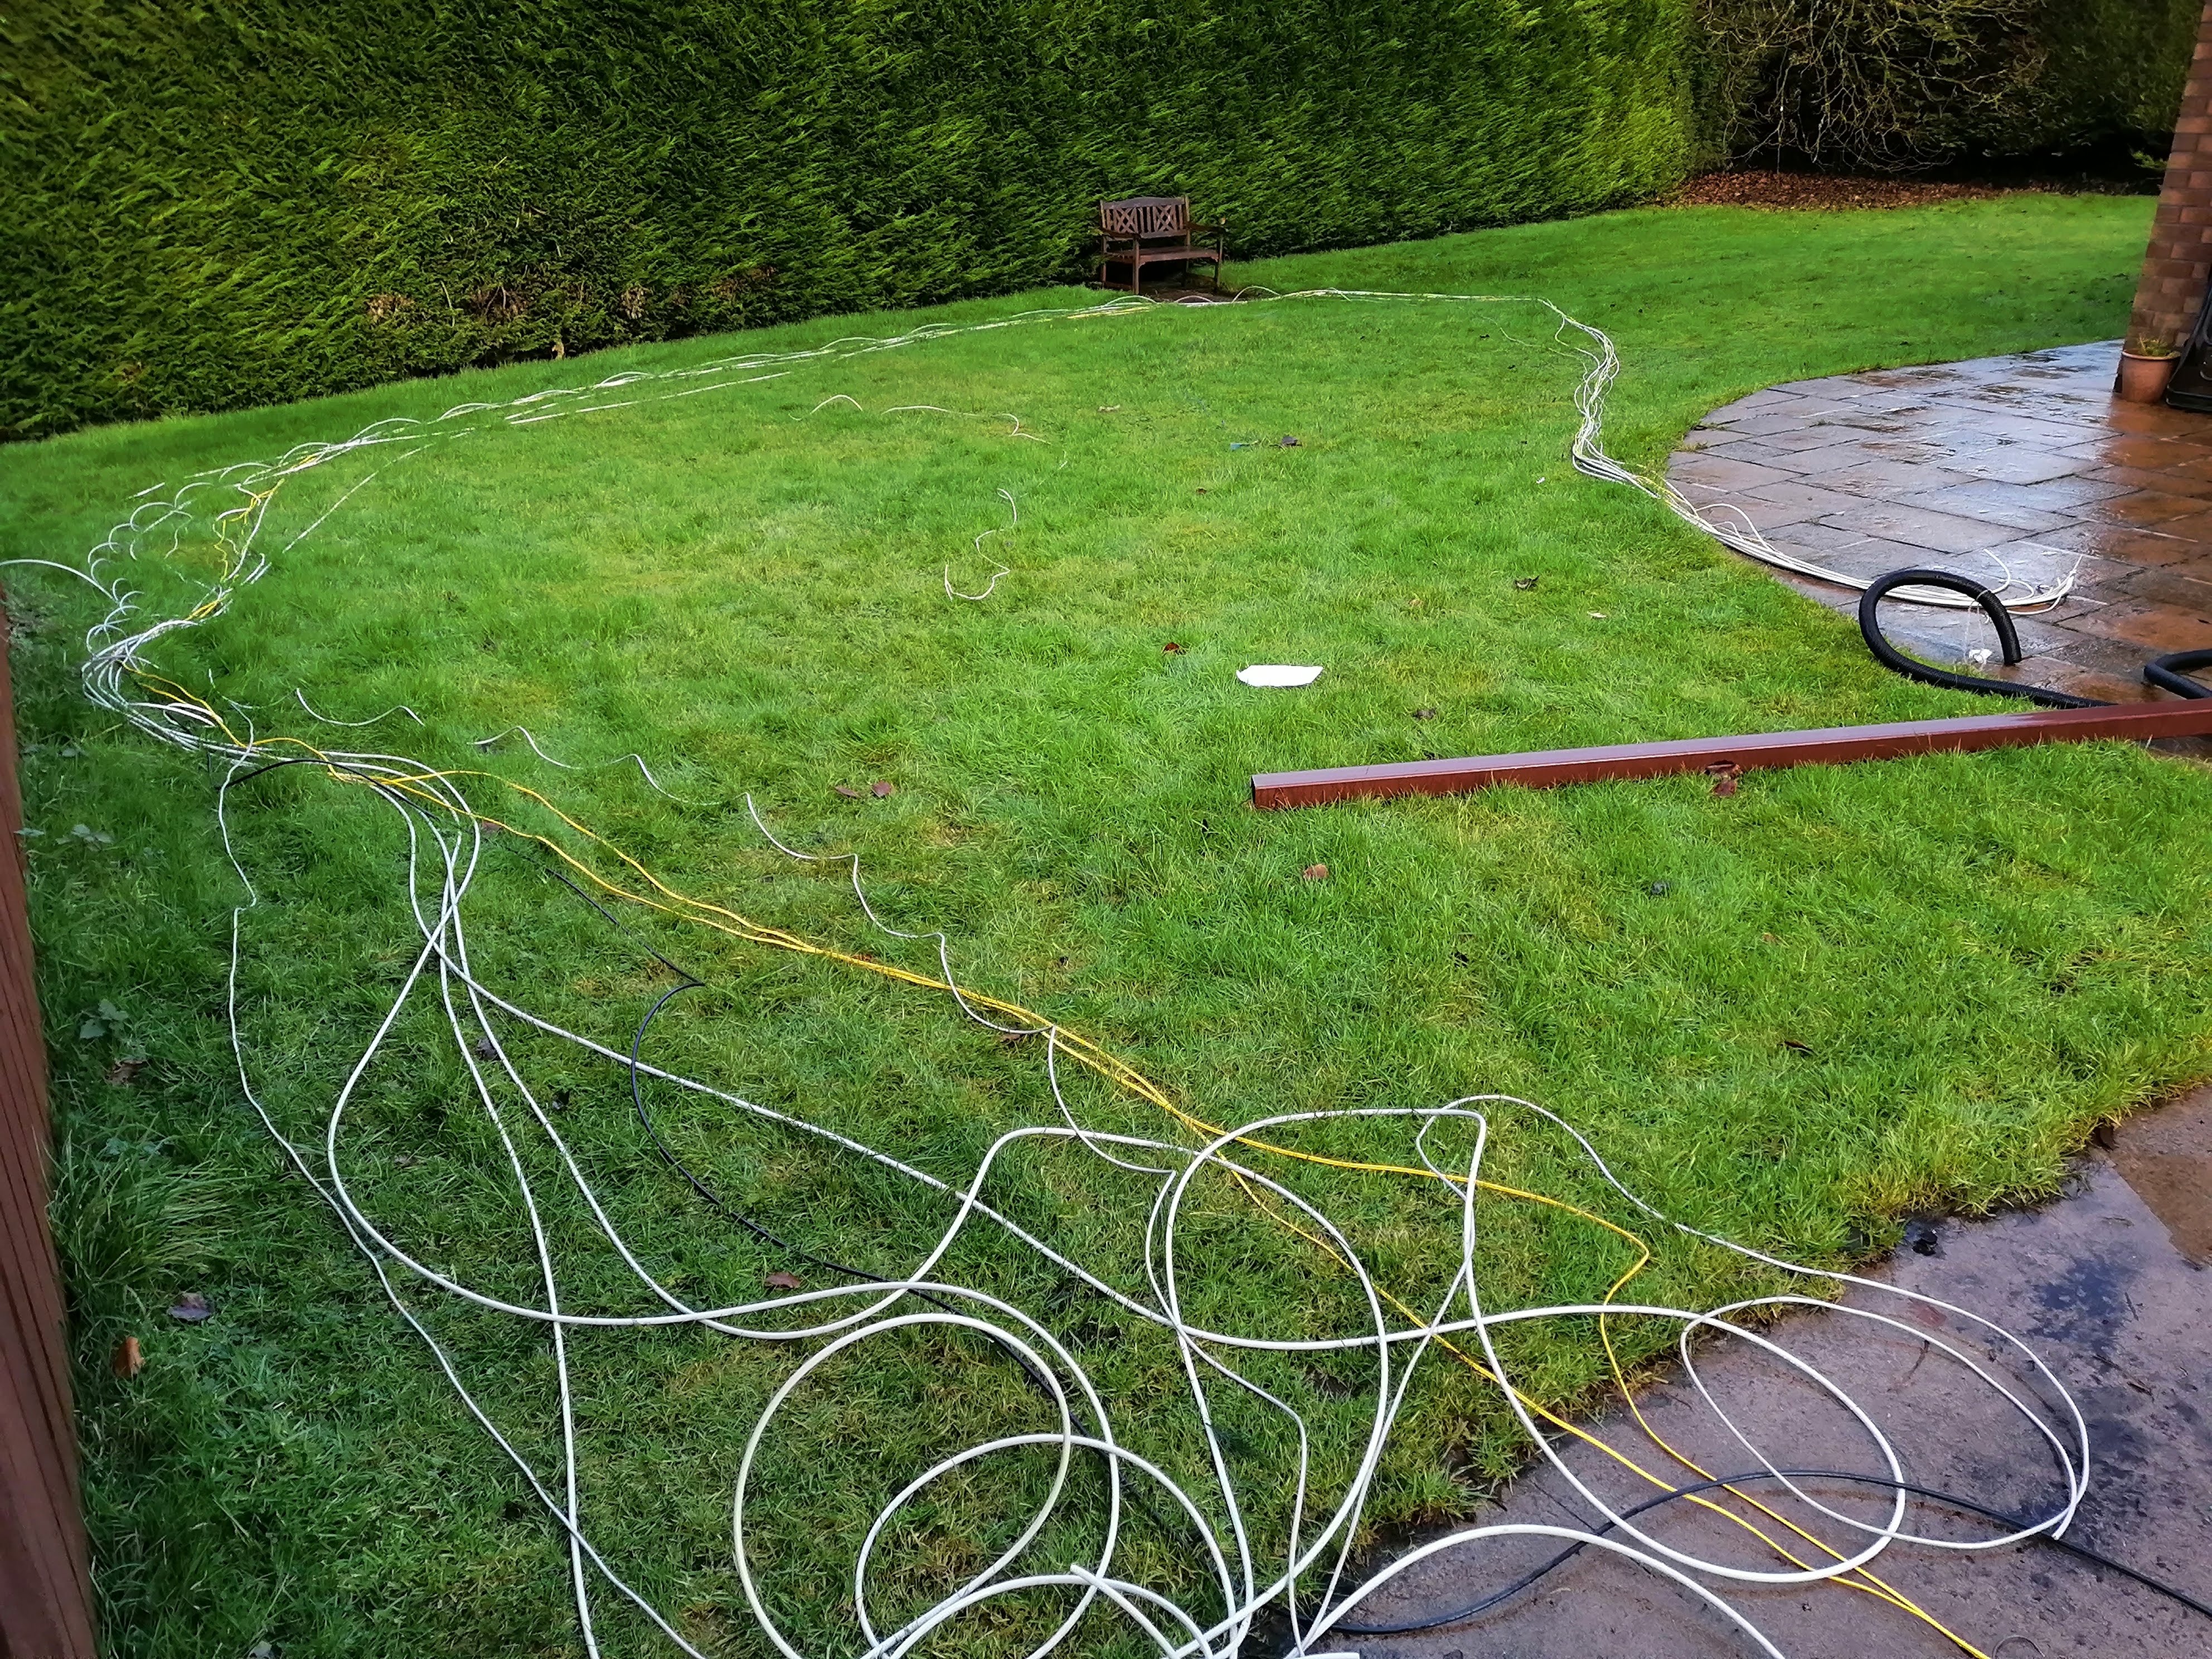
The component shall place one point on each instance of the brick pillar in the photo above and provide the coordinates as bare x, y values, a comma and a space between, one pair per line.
2178, 263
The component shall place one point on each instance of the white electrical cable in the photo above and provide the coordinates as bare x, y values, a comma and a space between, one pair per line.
397, 708
1602, 366
444, 940
1014, 523
256, 480
1253, 1557
492, 742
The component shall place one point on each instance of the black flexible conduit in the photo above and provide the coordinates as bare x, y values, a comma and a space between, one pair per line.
2008, 636
2168, 673
1947, 1500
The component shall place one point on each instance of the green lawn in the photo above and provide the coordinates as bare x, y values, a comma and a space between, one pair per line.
1787, 1016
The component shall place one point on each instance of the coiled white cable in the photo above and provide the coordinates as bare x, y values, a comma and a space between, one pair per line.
1026, 1338
1253, 1557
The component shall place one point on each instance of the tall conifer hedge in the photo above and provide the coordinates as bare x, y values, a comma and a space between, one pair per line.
207, 203
240, 202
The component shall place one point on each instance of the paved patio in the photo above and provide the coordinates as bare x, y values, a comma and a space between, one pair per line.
2111, 1286
2024, 466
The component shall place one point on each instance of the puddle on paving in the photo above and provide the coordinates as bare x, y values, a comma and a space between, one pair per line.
2167, 1156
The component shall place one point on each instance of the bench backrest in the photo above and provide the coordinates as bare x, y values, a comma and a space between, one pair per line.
1145, 216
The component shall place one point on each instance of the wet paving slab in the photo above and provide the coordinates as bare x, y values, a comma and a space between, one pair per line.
2023, 468
2108, 1284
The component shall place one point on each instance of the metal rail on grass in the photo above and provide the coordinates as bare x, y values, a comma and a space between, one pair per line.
1830, 745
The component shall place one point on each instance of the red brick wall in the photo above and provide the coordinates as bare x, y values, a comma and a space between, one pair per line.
2178, 263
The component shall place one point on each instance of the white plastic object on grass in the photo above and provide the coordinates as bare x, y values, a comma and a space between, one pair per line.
1276, 673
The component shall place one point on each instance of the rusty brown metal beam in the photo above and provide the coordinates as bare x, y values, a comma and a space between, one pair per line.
1828, 746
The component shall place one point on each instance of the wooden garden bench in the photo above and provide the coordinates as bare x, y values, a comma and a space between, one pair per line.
1153, 230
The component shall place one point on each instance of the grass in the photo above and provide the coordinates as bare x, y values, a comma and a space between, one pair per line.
1788, 1016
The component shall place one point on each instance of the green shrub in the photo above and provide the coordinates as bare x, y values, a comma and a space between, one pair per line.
248, 201
1896, 85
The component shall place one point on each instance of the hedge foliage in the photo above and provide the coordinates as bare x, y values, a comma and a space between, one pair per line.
1897, 84
210, 205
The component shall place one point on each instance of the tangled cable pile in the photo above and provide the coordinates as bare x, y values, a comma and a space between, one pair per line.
1298, 1577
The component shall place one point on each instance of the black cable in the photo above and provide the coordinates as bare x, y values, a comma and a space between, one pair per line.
615, 922
363, 772
2011, 1523
714, 1200
690, 982
2008, 636
1038, 1380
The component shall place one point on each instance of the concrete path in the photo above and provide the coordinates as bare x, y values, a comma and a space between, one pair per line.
2111, 1287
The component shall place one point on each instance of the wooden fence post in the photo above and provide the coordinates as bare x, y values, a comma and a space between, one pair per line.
46, 1585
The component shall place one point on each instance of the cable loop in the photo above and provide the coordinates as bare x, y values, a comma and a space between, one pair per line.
2008, 636
1273, 1537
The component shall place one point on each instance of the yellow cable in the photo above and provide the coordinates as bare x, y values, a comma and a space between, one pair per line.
1111, 1067
1858, 1579
1116, 1071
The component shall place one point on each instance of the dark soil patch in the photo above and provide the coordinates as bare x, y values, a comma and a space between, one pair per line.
1822, 192
1797, 187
